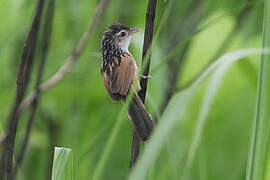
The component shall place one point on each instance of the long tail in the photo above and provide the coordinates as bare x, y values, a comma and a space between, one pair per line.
140, 118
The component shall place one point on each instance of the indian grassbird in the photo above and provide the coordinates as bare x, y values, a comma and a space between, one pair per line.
120, 75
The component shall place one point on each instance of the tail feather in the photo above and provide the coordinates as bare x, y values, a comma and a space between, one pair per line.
140, 118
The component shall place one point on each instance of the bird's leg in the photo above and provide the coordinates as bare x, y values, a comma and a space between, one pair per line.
145, 77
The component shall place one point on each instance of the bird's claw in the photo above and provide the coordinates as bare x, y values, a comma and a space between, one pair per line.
146, 77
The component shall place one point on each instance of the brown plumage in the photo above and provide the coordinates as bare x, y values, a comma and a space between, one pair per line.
119, 72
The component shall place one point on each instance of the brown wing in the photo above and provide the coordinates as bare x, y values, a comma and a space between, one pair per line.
119, 77
124, 76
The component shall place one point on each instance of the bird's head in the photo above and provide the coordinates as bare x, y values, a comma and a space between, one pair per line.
119, 35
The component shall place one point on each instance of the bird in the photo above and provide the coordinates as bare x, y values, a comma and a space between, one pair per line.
120, 75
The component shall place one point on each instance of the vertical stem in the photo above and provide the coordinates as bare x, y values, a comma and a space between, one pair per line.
148, 36
27, 56
45, 45
258, 153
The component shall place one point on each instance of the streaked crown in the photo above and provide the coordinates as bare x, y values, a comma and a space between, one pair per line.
116, 40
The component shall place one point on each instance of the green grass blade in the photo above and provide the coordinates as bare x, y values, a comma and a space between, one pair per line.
267, 175
109, 145
62, 164
181, 100
257, 158
113, 137
206, 106
162, 130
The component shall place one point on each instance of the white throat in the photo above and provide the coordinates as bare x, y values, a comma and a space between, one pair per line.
124, 44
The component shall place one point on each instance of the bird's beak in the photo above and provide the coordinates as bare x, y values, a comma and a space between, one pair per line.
133, 30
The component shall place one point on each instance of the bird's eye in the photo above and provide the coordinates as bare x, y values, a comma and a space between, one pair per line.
123, 33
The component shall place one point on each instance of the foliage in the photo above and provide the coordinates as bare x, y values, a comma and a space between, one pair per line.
62, 164
259, 149
78, 113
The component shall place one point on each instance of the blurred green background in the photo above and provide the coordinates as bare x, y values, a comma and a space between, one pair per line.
79, 114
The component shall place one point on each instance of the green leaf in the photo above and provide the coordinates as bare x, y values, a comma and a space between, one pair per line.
62, 164
259, 149
182, 100
210, 94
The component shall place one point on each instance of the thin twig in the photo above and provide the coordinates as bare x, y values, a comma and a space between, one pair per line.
44, 49
28, 54
148, 36
75, 54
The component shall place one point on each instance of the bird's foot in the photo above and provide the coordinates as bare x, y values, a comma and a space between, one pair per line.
146, 77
